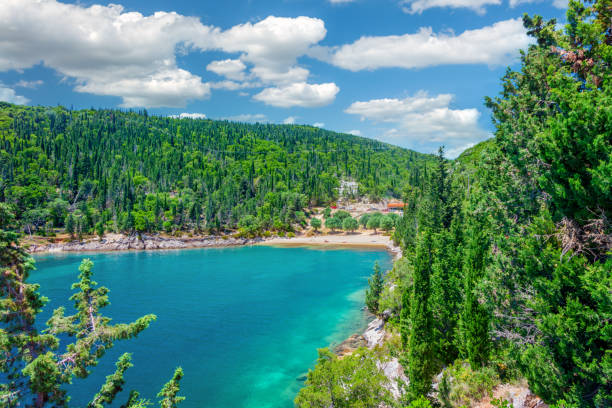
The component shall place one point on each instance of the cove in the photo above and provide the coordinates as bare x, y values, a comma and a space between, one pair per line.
244, 323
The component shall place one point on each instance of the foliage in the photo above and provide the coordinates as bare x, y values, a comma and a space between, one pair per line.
463, 385
333, 223
35, 370
137, 173
375, 287
350, 224
355, 381
315, 223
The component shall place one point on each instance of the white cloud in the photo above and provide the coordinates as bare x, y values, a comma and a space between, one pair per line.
9, 95
299, 94
319, 125
273, 46
187, 115
421, 121
418, 6
290, 120
105, 50
229, 68
354, 132
108, 51
248, 117
557, 3
340, 1
29, 84
493, 45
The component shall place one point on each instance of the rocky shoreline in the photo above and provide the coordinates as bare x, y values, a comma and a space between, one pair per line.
143, 242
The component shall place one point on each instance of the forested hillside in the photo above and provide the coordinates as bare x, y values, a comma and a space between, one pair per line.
107, 170
507, 269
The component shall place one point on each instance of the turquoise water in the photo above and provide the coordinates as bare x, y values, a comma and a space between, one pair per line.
244, 323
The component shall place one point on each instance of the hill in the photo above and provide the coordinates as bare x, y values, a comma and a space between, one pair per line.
127, 171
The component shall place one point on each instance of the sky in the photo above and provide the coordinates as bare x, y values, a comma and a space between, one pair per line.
413, 73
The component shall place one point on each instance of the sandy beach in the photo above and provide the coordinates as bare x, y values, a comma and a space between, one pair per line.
363, 239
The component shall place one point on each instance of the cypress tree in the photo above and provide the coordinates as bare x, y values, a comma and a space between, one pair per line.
420, 350
474, 323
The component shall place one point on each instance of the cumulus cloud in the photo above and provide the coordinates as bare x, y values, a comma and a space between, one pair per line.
354, 132
418, 6
426, 48
229, 68
9, 95
106, 50
273, 45
299, 94
423, 121
340, 1
319, 124
187, 115
290, 120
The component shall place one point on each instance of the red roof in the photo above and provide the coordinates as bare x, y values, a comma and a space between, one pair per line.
396, 205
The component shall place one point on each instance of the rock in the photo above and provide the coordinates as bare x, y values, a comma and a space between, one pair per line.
394, 371
375, 333
386, 315
118, 242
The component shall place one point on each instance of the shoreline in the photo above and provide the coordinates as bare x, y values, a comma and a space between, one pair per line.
121, 242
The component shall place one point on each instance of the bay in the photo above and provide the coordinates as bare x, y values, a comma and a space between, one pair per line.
243, 323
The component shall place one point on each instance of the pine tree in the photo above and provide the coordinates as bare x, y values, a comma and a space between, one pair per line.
35, 372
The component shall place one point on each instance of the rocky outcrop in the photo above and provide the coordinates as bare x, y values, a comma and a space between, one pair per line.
395, 373
134, 242
519, 396
375, 333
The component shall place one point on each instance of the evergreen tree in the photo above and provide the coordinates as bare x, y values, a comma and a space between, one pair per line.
475, 339
35, 372
421, 358
375, 287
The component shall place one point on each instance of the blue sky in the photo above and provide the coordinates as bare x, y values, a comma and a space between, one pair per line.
409, 72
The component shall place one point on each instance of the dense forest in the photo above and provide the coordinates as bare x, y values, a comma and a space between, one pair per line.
92, 171
506, 272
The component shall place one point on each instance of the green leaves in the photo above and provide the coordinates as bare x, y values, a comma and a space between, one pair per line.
355, 381
169, 393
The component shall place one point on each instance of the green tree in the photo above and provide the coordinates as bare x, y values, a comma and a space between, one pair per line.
350, 224
421, 360
474, 323
342, 214
333, 223
35, 372
315, 223
353, 381
373, 223
327, 212
363, 220
375, 288
386, 223
70, 225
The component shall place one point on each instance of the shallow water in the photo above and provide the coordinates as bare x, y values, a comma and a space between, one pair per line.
244, 323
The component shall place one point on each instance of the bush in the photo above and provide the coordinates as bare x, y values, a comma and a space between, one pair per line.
342, 214
464, 385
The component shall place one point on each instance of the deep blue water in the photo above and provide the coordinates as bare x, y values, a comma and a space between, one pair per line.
244, 323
